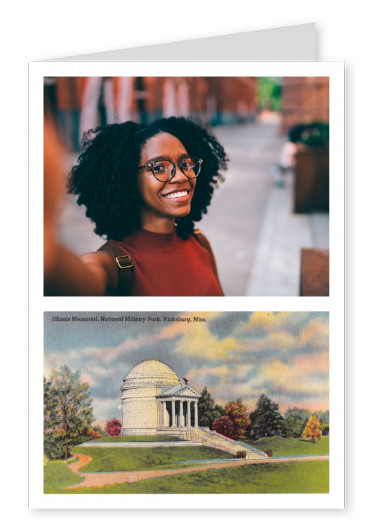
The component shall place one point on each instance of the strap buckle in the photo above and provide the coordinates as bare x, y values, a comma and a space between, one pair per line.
126, 256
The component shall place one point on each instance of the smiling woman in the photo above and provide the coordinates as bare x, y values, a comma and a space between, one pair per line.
144, 187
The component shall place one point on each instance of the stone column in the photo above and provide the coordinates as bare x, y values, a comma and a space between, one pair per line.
196, 414
180, 414
173, 424
164, 413
189, 413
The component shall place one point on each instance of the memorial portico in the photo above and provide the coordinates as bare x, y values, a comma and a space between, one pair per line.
154, 400
178, 407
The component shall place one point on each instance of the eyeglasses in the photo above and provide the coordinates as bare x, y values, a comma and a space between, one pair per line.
165, 170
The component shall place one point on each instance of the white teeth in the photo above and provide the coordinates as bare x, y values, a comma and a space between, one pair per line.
177, 194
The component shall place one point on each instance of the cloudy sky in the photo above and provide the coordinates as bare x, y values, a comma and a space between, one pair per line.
234, 354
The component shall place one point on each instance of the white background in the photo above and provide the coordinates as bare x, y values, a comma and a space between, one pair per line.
40, 30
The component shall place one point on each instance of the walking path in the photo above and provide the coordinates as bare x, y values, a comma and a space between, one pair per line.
102, 479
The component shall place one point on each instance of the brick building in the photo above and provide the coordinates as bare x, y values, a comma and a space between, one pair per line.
216, 100
304, 99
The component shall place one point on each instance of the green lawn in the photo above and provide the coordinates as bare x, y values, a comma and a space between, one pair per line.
299, 477
282, 447
135, 438
124, 459
308, 477
57, 476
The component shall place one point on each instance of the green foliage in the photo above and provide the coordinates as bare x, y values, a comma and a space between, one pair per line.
67, 412
323, 416
237, 411
98, 428
269, 92
266, 420
316, 134
295, 420
208, 410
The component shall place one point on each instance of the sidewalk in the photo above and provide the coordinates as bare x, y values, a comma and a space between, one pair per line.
276, 266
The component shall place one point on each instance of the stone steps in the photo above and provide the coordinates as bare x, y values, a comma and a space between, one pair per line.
215, 440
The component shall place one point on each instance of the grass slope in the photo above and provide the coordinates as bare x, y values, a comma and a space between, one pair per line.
57, 476
282, 447
303, 477
308, 477
124, 459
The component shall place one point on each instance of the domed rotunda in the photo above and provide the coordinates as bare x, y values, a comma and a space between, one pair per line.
155, 401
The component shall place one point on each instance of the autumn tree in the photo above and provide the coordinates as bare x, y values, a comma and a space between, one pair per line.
266, 420
67, 412
224, 426
237, 411
113, 427
208, 410
312, 429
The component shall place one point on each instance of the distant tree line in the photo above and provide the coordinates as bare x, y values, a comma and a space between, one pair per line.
265, 421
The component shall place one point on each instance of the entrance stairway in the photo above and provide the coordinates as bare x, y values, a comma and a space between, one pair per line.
216, 440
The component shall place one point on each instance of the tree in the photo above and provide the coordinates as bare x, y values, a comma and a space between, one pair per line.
113, 427
294, 421
224, 426
312, 429
266, 420
67, 412
208, 411
323, 416
237, 411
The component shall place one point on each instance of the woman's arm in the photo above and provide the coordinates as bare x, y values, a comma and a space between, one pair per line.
68, 274
64, 272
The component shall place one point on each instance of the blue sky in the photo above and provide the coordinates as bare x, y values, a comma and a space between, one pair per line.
234, 354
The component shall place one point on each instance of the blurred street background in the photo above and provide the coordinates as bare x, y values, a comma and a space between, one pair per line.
269, 220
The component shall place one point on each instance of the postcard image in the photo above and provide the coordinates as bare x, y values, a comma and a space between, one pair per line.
259, 190
186, 403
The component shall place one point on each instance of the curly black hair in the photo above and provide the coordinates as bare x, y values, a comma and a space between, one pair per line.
105, 176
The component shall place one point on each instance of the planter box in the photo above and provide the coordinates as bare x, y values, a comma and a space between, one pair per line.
311, 185
314, 273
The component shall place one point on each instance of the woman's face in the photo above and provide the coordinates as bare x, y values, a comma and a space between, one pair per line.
162, 202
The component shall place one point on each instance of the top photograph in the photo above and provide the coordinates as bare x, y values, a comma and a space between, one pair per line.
186, 186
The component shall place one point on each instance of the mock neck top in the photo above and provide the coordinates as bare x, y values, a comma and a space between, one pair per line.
166, 265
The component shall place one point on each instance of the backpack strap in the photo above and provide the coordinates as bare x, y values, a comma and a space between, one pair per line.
125, 264
125, 268
204, 242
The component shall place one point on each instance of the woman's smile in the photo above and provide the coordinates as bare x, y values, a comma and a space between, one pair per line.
163, 201
179, 195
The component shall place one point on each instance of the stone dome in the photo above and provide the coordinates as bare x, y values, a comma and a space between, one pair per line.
151, 372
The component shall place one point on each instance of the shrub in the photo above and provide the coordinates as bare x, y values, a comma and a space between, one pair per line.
113, 427
268, 453
93, 434
241, 454
224, 426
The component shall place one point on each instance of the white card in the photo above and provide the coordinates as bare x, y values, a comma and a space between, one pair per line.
227, 56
